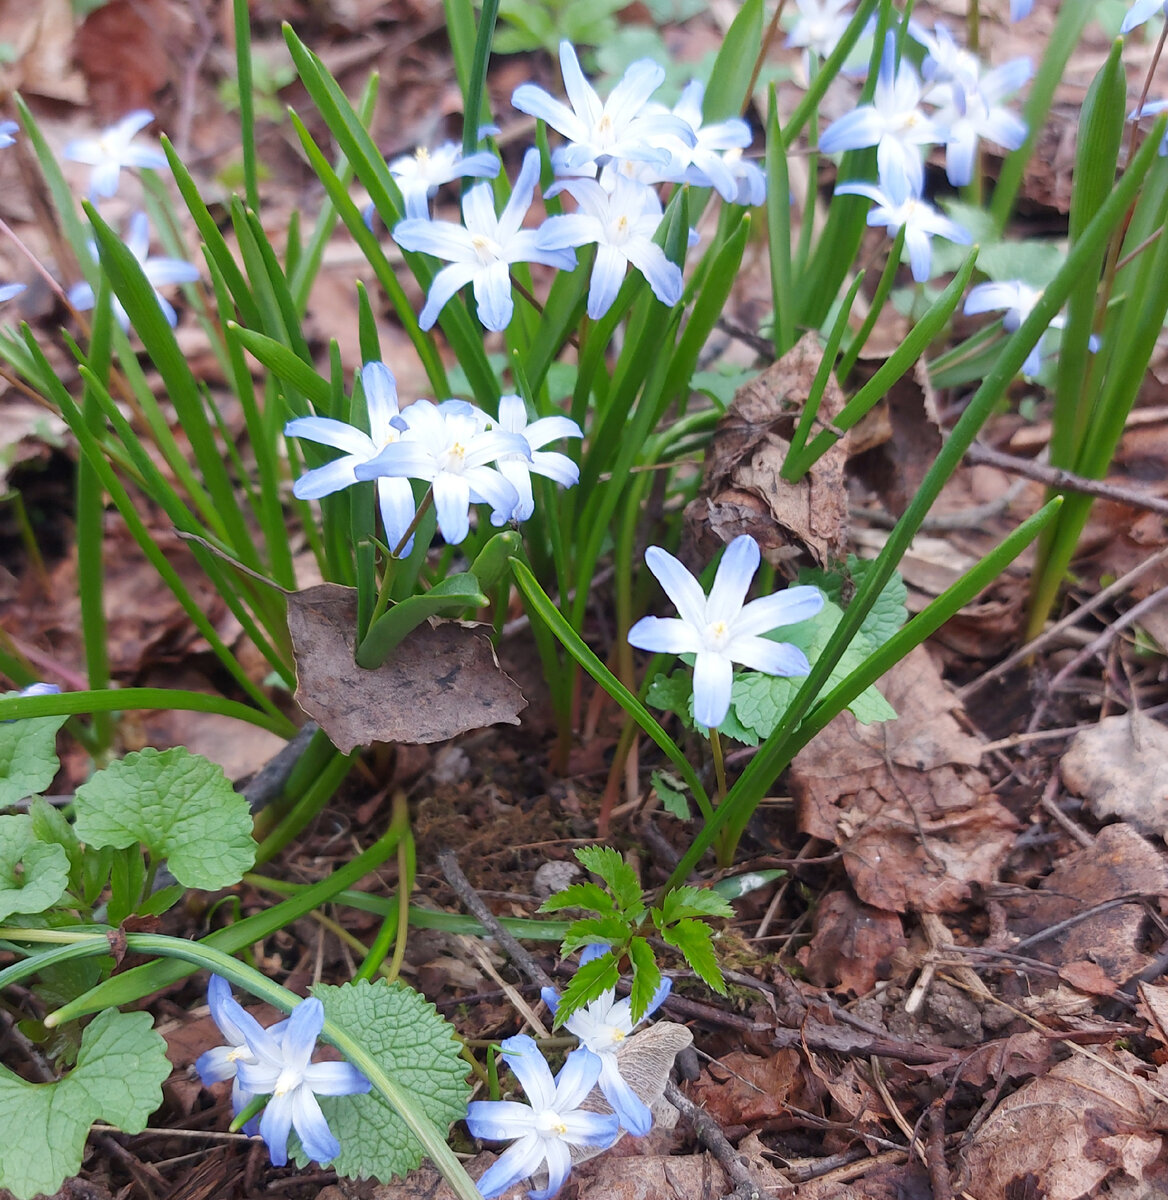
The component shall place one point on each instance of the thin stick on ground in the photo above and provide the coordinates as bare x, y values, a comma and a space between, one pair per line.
710, 1134
473, 902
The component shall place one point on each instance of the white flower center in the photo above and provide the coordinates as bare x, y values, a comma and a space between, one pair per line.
487, 249
618, 230
422, 155
605, 133
453, 458
288, 1081
717, 634
549, 1124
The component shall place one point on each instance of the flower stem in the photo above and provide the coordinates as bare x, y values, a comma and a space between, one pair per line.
387, 576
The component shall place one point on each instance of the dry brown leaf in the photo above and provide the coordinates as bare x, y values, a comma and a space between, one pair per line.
441, 681
852, 944
742, 490
40, 36
121, 50
1155, 1009
914, 817
1119, 863
741, 1088
1080, 1124
1120, 768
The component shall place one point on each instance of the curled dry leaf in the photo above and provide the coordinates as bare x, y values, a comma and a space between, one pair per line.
742, 1088
852, 944
742, 490
441, 681
1119, 863
904, 800
1120, 768
1061, 1136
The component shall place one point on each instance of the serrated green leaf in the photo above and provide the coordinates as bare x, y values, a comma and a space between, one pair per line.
33, 874
692, 902
695, 941
418, 1051
177, 804
671, 792
610, 930
646, 977
589, 983
621, 879
28, 755
49, 825
118, 1078
580, 895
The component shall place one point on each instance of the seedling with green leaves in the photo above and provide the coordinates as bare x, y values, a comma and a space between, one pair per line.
621, 922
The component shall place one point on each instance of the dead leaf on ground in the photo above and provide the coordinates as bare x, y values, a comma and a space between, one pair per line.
742, 490
852, 944
39, 37
1082, 1123
441, 681
1119, 863
904, 800
742, 1088
121, 49
1120, 768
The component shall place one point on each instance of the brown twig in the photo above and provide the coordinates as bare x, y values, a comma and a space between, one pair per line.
1059, 480
935, 1151
709, 1134
473, 902
1096, 602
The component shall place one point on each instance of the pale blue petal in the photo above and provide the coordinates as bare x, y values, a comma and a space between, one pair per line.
608, 273
640, 81
568, 229
788, 607
1141, 11
664, 277
737, 568
900, 168
520, 1161
403, 458
216, 1065
630, 1109
162, 271
551, 998
487, 486
395, 498
326, 431
1002, 127
713, 679
550, 429
870, 190
580, 92
1020, 9
323, 481
520, 199
772, 658
679, 585
920, 253
659, 996
499, 1120
81, 296
335, 1079
537, 103
231, 1018
380, 389
557, 467
576, 1079
103, 182
492, 289
988, 297
446, 283
559, 1164
665, 635
315, 1136
528, 1065
478, 211
452, 506
442, 239
518, 474
304, 1026
1033, 363
592, 951
853, 131
275, 1125
9, 290
144, 156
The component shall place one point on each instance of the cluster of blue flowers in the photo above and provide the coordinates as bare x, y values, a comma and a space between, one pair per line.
616, 151
542, 1131
466, 456
277, 1062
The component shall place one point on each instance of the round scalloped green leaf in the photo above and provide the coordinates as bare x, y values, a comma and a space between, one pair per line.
180, 806
418, 1051
120, 1070
28, 756
33, 874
